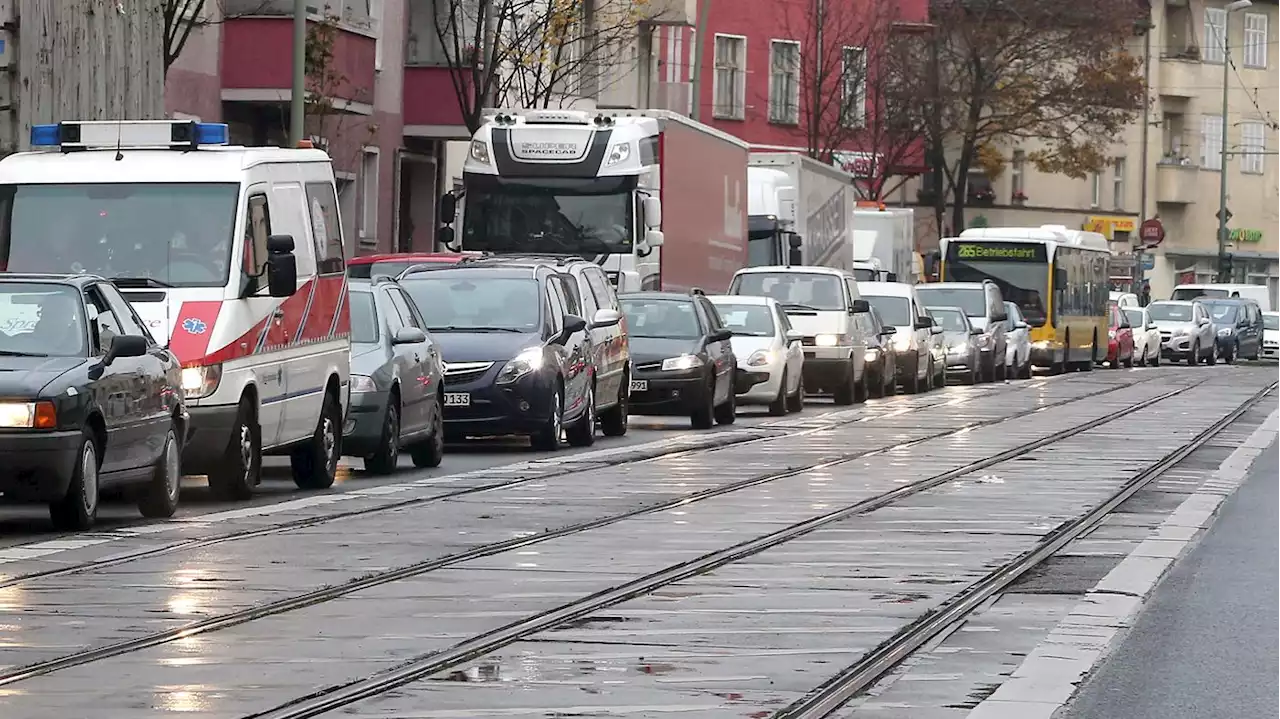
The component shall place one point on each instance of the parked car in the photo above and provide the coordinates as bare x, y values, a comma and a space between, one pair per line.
369, 266
1271, 335
1239, 325
937, 348
770, 358
961, 341
517, 354
1258, 293
397, 380
1119, 338
91, 401
984, 305
1018, 332
822, 303
1123, 300
1146, 337
683, 357
1186, 332
881, 361
897, 305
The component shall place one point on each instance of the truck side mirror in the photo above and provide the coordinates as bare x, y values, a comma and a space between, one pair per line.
794, 255
282, 266
448, 208
653, 238
446, 237
652, 214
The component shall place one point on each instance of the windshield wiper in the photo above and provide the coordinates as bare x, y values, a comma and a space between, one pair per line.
455, 328
797, 306
139, 282
15, 353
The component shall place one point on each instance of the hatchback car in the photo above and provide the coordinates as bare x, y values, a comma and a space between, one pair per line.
1239, 325
1146, 338
963, 353
91, 401
770, 359
683, 357
1186, 332
516, 354
1120, 350
397, 380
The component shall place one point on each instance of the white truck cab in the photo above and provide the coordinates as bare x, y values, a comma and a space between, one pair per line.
232, 255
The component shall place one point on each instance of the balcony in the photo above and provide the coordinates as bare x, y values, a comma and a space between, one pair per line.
1179, 78
1176, 184
671, 12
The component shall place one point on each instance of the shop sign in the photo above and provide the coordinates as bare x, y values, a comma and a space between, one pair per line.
1243, 235
1107, 226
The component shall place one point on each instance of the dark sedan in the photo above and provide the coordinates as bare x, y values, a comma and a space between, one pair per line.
683, 358
92, 402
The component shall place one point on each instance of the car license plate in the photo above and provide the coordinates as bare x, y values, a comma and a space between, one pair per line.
639, 385
457, 399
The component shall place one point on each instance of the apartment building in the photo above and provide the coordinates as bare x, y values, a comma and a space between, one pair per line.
1183, 155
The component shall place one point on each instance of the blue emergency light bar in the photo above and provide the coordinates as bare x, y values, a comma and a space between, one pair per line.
131, 134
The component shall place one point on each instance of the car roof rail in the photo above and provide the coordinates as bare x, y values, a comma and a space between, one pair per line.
697, 291
422, 267
383, 279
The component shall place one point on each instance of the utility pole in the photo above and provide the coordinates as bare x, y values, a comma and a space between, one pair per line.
1224, 234
699, 50
1145, 26
298, 96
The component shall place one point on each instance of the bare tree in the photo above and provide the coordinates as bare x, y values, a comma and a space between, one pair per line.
531, 53
1006, 71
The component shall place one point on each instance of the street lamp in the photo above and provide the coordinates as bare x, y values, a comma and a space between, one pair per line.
1224, 235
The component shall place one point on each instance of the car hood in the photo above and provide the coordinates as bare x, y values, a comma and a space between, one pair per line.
1173, 326
955, 338
744, 347
26, 376
367, 358
483, 346
655, 349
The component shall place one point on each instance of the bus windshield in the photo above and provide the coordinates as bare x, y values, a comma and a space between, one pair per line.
1020, 270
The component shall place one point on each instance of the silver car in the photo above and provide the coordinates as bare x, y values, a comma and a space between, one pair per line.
1186, 331
396, 380
961, 339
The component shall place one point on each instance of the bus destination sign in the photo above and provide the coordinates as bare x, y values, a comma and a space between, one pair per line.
998, 251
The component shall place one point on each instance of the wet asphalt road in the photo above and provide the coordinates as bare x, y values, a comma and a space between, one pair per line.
234, 612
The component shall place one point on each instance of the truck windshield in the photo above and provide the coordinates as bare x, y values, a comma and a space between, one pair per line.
589, 216
794, 290
171, 234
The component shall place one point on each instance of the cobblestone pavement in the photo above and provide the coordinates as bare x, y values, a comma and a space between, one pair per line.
710, 575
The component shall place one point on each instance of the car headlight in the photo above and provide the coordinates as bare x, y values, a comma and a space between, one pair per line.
361, 383
618, 153
1111, 334
28, 415
760, 358
198, 382
681, 363
1225, 332
872, 355
826, 340
529, 360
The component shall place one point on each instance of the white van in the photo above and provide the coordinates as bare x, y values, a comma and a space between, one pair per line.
233, 254
821, 304
1257, 293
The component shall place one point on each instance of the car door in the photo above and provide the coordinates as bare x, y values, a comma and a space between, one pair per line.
613, 350
156, 384
597, 337
118, 391
1252, 330
266, 368
794, 350
575, 348
719, 351
414, 362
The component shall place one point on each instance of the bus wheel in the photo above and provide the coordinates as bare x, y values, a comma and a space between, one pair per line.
1060, 367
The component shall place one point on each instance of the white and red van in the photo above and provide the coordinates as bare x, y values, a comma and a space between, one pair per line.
234, 254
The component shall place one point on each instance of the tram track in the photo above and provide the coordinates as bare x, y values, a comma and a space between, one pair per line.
325, 594
194, 544
434, 663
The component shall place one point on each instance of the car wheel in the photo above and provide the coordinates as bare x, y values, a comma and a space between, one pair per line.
795, 403
911, 382
430, 452
384, 461
1128, 362
315, 464
1155, 359
1230, 355
241, 467
727, 413
1212, 359
547, 439
860, 389
582, 433
160, 499
845, 393
614, 421
876, 387
778, 407
704, 417
79, 508
1193, 357
940, 379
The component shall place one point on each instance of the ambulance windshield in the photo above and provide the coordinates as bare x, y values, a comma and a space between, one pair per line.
168, 234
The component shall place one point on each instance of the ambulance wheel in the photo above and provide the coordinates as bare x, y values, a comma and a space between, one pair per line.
241, 466
315, 464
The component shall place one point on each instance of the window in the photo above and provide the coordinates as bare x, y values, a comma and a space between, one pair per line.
1253, 145
325, 228
731, 77
130, 324
1097, 190
364, 318
104, 325
1211, 143
853, 82
1255, 40
257, 228
600, 288
784, 82
1117, 183
1215, 27
1017, 175
369, 196
404, 307
587, 298
375, 24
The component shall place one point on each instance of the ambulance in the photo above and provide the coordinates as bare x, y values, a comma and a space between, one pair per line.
232, 256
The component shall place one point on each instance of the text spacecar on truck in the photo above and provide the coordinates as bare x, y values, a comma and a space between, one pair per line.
884, 244
658, 200
800, 212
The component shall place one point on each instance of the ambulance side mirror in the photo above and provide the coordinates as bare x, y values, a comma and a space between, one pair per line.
282, 266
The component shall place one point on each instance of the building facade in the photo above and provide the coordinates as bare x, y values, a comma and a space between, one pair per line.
1183, 155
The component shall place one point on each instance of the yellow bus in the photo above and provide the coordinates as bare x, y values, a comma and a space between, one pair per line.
1058, 277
